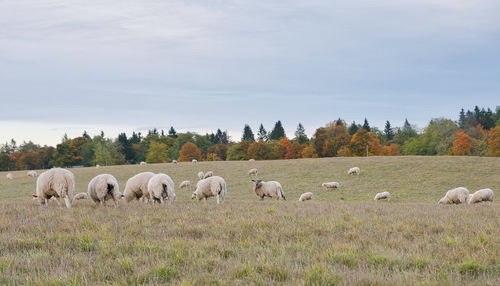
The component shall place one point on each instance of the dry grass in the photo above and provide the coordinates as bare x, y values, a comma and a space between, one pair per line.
341, 237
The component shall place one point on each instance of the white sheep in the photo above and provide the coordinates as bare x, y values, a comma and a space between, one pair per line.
194, 161
306, 196
211, 187
184, 184
484, 195
33, 174
161, 188
253, 171
137, 187
201, 175
57, 183
102, 188
98, 166
331, 185
354, 170
208, 174
382, 196
81, 196
251, 160
174, 161
10, 176
458, 195
271, 189
143, 163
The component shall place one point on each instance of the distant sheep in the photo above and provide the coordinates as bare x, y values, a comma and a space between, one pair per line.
211, 187
33, 174
484, 195
143, 163
174, 161
253, 171
306, 197
161, 188
354, 170
102, 188
81, 196
137, 187
382, 196
201, 175
455, 196
194, 161
331, 185
98, 166
271, 189
184, 184
10, 176
208, 174
57, 183
251, 160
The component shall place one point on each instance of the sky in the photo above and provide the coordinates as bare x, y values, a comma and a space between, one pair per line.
123, 66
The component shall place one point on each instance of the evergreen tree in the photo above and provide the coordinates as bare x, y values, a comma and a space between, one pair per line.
278, 132
353, 128
366, 126
461, 119
248, 134
224, 138
218, 137
407, 124
262, 135
172, 133
389, 133
300, 134
85, 135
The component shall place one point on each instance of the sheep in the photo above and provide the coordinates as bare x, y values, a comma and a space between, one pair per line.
484, 195
253, 171
208, 174
306, 196
56, 182
354, 170
184, 184
33, 174
251, 160
194, 161
102, 188
382, 196
81, 196
143, 163
211, 187
458, 195
137, 187
271, 189
98, 166
161, 188
10, 176
174, 161
331, 185
201, 175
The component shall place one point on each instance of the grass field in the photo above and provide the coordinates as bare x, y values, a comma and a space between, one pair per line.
341, 237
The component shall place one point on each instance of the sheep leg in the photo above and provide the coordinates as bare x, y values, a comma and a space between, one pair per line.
67, 201
218, 200
161, 200
115, 199
58, 201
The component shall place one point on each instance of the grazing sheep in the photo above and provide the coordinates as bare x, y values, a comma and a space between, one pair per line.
253, 171
208, 174
194, 161
458, 195
98, 166
161, 188
271, 189
174, 161
81, 196
33, 174
184, 184
354, 170
57, 183
331, 185
137, 187
251, 160
102, 188
201, 175
143, 163
10, 176
382, 196
306, 196
211, 187
484, 195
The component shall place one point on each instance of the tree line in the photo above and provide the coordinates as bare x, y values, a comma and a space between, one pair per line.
476, 132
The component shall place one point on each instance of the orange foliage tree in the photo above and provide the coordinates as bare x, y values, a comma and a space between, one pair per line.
361, 139
462, 144
188, 152
494, 141
259, 150
287, 146
309, 152
392, 150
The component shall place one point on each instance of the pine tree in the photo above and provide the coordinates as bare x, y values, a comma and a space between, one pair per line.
172, 133
407, 124
248, 134
389, 133
85, 134
218, 137
353, 128
300, 134
262, 135
224, 138
461, 119
278, 132
366, 126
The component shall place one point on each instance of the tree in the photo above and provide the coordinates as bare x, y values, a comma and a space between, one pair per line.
278, 132
363, 138
353, 128
237, 152
494, 141
259, 150
462, 144
248, 134
157, 153
262, 135
300, 134
172, 133
462, 119
188, 152
366, 126
389, 133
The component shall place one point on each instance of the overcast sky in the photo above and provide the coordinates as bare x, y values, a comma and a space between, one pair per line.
120, 65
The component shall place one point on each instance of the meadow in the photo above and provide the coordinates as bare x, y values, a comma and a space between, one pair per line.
340, 237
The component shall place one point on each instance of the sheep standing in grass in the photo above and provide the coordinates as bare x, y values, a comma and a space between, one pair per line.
201, 175
251, 160
57, 183
458, 195
382, 196
33, 174
98, 166
484, 195
174, 161
354, 170
253, 171
161, 188
81, 196
143, 163
194, 161
331, 185
137, 187
211, 187
184, 184
102, 188
208, 174
271, 189
306, 197
10, 176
